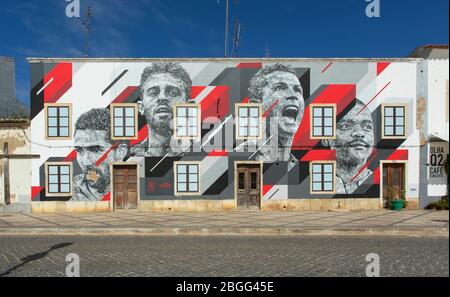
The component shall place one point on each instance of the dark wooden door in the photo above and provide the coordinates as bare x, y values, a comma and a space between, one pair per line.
248, 186
394, 180
125, 186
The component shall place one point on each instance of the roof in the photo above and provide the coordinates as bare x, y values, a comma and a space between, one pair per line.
442, 46
14, 121
431, 52
231, 60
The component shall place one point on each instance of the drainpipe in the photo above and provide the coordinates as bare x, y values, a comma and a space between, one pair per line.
6, 173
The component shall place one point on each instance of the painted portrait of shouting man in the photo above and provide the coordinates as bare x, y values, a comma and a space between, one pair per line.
279, 90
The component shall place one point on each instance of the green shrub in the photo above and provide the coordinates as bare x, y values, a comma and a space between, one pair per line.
440, 205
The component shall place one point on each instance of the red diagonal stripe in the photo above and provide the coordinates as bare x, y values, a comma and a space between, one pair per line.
218, 153
320, 155
62, 81
215, 104
249, 65
106, 197
381, 66
125, 94
71, 156
196, 90
376, 95
373, 155
35, 191
105, 155
266, 189
326, 68
142, 135
268, 111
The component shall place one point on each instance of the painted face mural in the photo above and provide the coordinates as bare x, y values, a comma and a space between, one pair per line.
95, 151
162, 86
287, 148
284, 88
353, 144
281, 93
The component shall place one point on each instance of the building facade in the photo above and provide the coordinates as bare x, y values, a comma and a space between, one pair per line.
10, 107
225, 134
15, 165
434, 130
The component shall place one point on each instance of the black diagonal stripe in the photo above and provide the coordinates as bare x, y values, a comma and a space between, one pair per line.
114, 81
273, 194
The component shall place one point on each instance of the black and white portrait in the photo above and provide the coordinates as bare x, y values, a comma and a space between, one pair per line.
353, 144
279, 90
92, 138
162, 86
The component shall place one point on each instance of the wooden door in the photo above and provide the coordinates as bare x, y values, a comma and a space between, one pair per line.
248, 186
394, 180
125, 186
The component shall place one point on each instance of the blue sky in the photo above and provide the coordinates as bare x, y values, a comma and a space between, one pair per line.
195, 28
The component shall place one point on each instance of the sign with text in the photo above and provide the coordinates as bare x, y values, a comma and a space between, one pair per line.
437, 156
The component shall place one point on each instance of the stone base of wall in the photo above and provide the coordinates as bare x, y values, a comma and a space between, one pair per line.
15, 208
63, 206
323, 204
413, 203
187, 205
276, 205
351, 204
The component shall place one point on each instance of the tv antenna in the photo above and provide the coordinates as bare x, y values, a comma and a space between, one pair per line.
227, 25
236, 36
267, 52
86, 22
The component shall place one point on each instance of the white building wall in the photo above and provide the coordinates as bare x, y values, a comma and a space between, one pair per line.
438, 118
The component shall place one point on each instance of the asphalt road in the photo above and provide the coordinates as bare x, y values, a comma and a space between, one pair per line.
224, 256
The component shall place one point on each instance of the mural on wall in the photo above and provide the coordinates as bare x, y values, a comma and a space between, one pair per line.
286, 92
281, 94
95, 150
162, 86
354, 144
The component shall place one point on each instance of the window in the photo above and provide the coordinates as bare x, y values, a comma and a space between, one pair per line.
187, 178
323, 121
58, 179
248, 121
322, 177
187, 121
124, 121
58, 121
394, 121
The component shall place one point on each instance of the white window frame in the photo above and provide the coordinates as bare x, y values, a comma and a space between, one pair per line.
394, 126
47, 179
187, 164
113, 106
58, 119
186, 119
238, 120
311, 116
311, 174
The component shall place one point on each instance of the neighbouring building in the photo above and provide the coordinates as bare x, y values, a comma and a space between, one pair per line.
15, 165
10, 107
433, 121
225, 134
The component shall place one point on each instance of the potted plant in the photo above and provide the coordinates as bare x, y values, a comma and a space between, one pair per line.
393, 199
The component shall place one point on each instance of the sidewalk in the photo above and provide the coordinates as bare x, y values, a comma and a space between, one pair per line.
415, 223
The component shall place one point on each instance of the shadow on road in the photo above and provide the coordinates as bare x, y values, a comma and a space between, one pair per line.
36, 256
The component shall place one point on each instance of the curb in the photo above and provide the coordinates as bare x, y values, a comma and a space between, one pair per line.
441, 232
